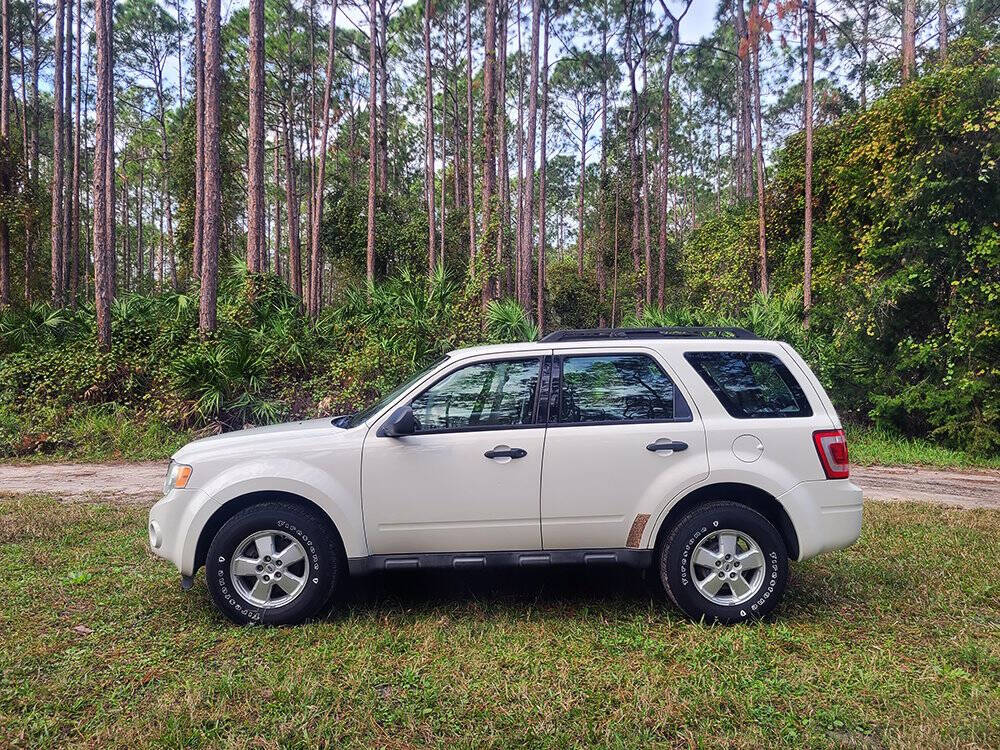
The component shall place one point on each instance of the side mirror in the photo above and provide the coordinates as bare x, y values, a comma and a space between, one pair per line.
401, 422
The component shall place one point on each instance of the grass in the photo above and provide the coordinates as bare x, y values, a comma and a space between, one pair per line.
104, 432
870, 445
892, 643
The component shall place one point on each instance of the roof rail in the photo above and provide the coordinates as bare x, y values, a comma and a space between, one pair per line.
672, 332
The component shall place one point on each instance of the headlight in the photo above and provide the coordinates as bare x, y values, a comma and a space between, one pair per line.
177, 477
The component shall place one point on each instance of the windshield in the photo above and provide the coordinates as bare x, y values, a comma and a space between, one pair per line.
355, 419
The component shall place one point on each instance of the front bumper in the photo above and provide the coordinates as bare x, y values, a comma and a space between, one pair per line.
826, 514
175, 522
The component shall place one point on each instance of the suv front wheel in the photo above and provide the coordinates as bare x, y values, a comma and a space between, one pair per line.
273, 563
724, 562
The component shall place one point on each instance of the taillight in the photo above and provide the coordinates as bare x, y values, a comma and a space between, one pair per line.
831, 445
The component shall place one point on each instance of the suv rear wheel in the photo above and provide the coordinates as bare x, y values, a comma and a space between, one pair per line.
274, 564
724, 562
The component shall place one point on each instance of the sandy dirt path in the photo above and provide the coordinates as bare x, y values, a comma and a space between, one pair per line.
139, 483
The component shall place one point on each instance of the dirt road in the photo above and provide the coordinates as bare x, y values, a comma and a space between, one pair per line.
139, 483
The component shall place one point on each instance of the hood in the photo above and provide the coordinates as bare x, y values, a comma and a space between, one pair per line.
256, 436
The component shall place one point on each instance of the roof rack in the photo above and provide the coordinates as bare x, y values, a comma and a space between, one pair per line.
672, 332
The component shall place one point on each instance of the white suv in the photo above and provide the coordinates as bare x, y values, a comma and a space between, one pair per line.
707, 455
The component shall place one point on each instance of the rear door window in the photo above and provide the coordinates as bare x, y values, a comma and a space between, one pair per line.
751, 385
617, 388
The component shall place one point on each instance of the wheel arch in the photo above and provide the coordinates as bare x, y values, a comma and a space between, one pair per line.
230, 508
745, 494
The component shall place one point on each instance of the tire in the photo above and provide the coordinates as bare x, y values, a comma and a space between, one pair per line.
709, 588
270, 591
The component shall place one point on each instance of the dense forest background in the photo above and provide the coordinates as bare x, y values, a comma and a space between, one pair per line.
213, 217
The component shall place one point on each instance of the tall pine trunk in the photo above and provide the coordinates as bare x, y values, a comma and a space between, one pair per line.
56, 224
103, 179
315, 297
255, 142
429, 137
759, 151
5, 184
213, 176
807, 239
199, 148
470, 173
909, 39
372, 83
527, 236
74, 273
543, 155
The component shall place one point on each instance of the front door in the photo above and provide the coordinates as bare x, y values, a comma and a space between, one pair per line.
468, 479
621, 440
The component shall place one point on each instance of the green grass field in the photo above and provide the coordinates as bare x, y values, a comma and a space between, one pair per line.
893, 643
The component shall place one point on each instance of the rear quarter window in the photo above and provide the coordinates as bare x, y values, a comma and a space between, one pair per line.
751, 385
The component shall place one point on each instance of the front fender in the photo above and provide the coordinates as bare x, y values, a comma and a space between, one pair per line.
339, 501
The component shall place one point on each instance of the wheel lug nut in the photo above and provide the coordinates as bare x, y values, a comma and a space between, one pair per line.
721, 574
278, 563
267, 558
267, 578
260, 568
278, 574
718, 563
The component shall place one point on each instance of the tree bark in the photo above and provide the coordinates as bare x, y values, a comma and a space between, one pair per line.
646, 239
315, 280
543, 156
199, 169
103, 174
370, 249
429, 137
383, 87
75, 190
583, 186
909, 39
668, 71
503, 149
213, 176
57, 160
942, 30
489, 111
292, 203
863, 68
527, 236
602, 194
743, 180
67, 136
808, 228
5, 185
633, 137
277, 204
470, 173
761, 226
255, 142
164, 160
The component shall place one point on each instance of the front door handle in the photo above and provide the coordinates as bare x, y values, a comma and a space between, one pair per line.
675, 445
499, 452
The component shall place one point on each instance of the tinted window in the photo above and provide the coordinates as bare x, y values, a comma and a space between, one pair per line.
751, 384
486, 394
617, 388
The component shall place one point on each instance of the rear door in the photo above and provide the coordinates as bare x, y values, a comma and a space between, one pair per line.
622, 438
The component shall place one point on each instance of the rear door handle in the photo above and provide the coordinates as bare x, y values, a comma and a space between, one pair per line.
675, 445
506, 453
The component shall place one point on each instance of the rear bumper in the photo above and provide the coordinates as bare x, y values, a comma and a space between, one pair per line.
826, 514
